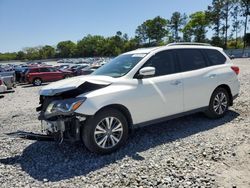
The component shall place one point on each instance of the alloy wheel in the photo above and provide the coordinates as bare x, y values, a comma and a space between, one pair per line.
220, 103
108, 132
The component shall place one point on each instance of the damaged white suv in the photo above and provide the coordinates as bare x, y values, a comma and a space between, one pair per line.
138, 88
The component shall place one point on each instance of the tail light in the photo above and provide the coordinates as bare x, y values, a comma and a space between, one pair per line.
1, 82
236, 69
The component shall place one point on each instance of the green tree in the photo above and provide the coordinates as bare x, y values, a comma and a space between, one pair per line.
236, 23
152, 30
176, 24
219, 14
20, 55
197, 26
47, 52
66, 49
7, 56
245, 13
32, 53
91, 46
214, 16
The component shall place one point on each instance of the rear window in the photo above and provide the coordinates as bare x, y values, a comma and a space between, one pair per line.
191, 59
215, 57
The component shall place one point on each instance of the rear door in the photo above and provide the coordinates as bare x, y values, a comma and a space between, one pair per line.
55, 74
198, 81
45, 74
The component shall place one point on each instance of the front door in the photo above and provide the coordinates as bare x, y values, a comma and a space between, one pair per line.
162, 94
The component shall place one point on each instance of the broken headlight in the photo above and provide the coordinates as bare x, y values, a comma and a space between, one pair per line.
63, 107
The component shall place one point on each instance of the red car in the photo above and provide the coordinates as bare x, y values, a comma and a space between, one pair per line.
38, 75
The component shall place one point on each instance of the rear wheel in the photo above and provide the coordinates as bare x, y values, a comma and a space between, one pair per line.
105, 132
37, 82
219, 103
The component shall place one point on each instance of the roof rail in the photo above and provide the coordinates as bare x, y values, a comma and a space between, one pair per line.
188, 43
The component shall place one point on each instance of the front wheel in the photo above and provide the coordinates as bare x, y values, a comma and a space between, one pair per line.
219, 103
105, 132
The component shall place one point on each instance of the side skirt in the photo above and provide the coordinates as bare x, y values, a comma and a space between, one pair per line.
167, 118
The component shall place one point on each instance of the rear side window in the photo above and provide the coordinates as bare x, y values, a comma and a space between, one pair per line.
52, 69
164, 63
191, 59
215, 57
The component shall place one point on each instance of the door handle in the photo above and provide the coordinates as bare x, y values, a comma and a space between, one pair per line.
212, 75
175, 83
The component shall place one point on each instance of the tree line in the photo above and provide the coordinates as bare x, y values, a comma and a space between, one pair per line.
225, 18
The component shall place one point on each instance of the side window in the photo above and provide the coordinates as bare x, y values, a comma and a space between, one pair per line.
44, 70
215, 57
163, 62
191, 59
52, 69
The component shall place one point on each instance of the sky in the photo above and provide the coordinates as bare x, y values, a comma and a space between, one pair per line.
30, 23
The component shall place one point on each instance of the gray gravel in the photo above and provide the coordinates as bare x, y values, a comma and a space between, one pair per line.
192, 151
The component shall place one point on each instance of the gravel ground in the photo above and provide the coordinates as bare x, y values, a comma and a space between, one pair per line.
192, 151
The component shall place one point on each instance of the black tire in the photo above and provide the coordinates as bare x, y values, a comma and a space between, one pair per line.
89, 137
37, 82
212, 111
66, 76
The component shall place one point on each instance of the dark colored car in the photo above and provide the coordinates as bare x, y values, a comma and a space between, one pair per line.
38, 75
89, 70
20, 73
77, 69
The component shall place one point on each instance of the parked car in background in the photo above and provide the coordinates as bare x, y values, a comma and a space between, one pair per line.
88, 70
8, 77
20, 72
77, 69
38, 75
3, 87
9, 81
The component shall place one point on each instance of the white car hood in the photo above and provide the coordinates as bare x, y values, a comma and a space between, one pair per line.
73, 83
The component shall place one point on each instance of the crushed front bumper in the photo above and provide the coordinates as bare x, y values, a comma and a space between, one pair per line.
63, 129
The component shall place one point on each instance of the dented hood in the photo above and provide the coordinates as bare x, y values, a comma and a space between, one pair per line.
74, 83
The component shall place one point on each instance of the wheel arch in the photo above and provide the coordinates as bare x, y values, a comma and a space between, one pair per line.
122, 109
37, 78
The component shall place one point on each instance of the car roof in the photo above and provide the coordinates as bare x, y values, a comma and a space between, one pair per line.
40, 67
174, 46
143, 50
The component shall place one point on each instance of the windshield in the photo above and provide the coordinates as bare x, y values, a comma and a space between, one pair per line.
119, 66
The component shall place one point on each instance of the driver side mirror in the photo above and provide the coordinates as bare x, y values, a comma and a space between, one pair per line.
146, 72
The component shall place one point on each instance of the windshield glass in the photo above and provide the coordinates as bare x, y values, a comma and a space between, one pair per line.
119, 66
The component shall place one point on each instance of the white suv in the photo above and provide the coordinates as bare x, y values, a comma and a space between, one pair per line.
138, 88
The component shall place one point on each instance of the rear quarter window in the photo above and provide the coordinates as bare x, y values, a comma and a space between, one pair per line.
215, 57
